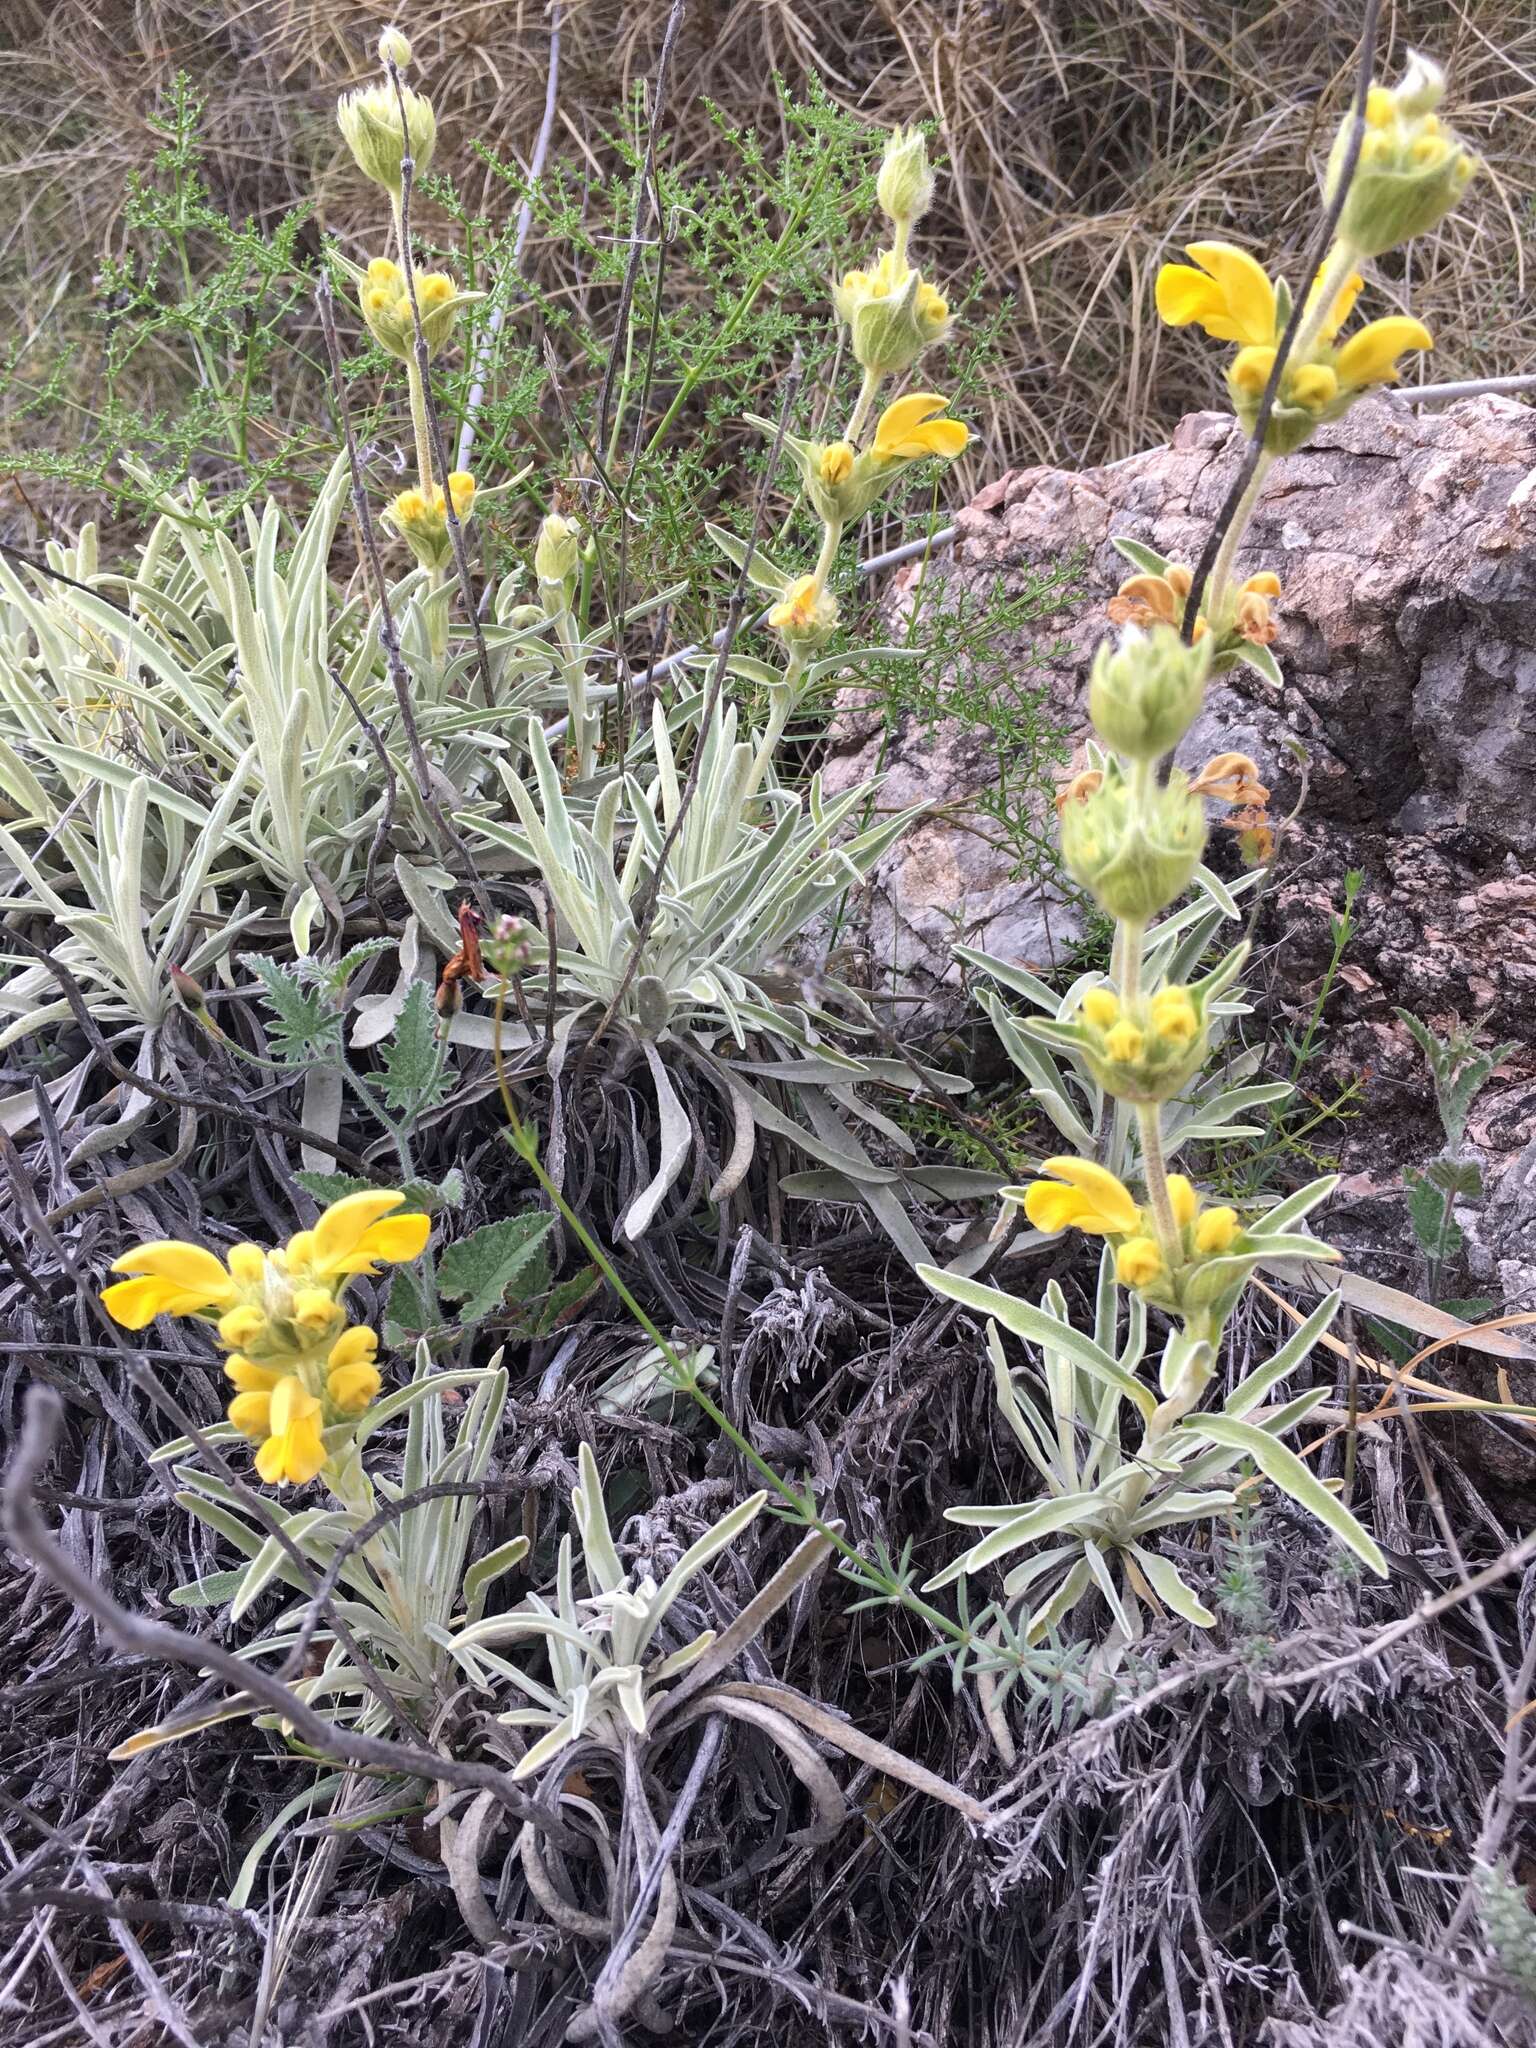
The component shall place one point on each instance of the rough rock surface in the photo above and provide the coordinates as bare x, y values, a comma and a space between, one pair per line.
1406, 544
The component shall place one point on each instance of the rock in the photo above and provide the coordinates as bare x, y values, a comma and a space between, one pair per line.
1406, 729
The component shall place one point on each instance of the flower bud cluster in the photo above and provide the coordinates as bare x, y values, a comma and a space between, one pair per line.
557, 553
1145, 1050
1412, 170
1134, 847
892, 314
1144, 693
385, 304
369, 120
421, 518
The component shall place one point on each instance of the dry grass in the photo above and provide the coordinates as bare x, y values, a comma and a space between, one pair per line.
1085, 139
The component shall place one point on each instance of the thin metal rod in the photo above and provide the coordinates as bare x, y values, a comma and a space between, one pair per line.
1472, 387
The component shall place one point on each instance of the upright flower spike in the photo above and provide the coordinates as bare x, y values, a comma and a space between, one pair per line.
1232, 299
296, 1368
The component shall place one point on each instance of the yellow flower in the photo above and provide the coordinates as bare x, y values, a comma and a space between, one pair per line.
908, 430
1343, 304
252, 1378
354, 1235
1231, 778
1079, 788
354, 1347
1183, 1199
1314, 385
1174, 1015
385, 275
1215, 1231
357, 1234
1124, 1043
352, 1378
1371, 356
1101, 1006
461, 488
1229, 295
316, 1311
1138, 1262
247, 1264
242, 1327
434, 289
295, 1449
176, 1279
252, 1415
836, 462
932, 305
349, 1388
805, 611
1092, 1200
1251, 367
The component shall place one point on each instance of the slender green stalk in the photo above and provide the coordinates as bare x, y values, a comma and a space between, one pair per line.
1216, 602
860, 414
1154, 1170
831, 539
419, 424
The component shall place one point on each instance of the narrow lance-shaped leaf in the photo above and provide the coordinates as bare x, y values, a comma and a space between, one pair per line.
1279, 1463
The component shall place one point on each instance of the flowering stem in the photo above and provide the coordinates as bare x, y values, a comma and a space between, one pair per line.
860, 414
1231, 541
419, 424
831, 540
784, 700
1154, 1171
1125, 962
